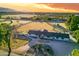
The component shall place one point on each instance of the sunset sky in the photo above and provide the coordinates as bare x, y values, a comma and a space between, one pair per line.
44, 7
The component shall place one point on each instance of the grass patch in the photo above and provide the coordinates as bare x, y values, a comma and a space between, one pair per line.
15, 43
18, 43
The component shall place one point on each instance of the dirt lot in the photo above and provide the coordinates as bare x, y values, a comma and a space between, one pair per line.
36, 26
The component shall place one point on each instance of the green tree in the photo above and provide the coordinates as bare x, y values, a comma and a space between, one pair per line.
0, 16
69, 20
75, 52
76, 35
45, 17
49, 19
73, 22
5, 35
36, 18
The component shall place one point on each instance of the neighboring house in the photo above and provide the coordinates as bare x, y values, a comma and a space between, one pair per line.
58, 20
50, 35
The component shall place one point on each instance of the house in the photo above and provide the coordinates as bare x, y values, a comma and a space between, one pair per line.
58, 20
50, 35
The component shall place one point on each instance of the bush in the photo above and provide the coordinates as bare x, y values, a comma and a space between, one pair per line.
76, 35
75, 52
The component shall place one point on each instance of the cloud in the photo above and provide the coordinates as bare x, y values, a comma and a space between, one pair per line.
53, 9
34, 7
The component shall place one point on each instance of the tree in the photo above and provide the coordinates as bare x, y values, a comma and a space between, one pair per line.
0, 16
5, 35
36, 18
73, 22
45, 17
69, 20
75, 52
49, 19
76, 35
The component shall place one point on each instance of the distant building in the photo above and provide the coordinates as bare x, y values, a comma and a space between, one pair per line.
59, 20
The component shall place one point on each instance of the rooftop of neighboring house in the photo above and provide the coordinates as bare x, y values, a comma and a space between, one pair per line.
48, 34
